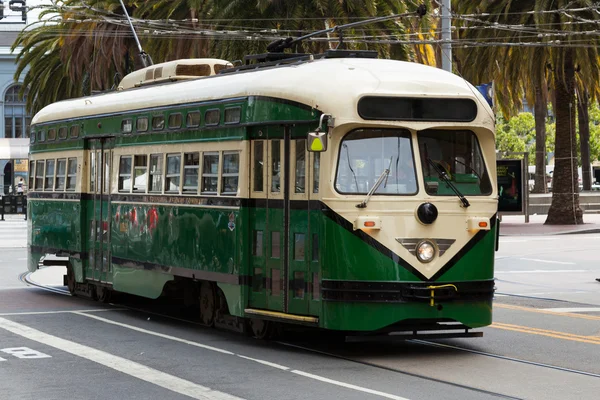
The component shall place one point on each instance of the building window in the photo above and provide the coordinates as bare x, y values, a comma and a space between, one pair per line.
61, 174
173, 173
191, 164
231, 170
72, 174
210, 173
125, 174
16, 120
156, 171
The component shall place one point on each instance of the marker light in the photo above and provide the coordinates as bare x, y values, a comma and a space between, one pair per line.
483, 224
425, 251
369, 224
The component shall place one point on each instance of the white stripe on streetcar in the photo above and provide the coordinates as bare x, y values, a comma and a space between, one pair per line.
120, 364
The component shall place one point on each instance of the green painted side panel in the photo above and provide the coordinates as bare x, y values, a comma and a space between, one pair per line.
139, 282
235, 295
366, 317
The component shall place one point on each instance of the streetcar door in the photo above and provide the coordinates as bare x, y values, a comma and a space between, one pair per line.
267, 181
300, 230
100, 161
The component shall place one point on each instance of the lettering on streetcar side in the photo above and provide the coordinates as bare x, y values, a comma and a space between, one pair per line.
23, 352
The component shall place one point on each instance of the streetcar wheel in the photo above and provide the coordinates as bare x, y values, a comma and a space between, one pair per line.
103, 294
71, 280
262, 329
207, 304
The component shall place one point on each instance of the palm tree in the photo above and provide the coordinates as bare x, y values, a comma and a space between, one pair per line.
549, 18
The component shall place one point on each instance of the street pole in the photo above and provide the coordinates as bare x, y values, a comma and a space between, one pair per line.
446, 37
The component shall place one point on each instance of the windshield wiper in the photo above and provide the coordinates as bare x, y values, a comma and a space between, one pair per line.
383, 176
443, 176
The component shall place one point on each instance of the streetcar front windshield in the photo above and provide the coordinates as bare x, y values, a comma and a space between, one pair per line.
367, 155
455, 154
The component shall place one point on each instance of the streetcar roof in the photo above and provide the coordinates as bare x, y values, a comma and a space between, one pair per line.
333, 86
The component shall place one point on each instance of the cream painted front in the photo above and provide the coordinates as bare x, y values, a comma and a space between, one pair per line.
398, 213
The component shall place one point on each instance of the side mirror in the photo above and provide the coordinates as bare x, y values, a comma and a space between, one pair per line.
317, 140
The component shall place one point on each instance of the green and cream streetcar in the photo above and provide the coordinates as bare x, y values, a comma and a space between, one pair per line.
350, 194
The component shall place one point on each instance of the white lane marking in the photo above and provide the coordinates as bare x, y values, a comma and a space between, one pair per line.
548, 261
573, 309
24, 352
267, 363
542, 271
59, 312
348, 386
120, 364
162, 335
270, 364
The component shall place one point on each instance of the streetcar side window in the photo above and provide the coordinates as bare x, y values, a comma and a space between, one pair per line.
141, 124
175, 121
127, 125
92, 171
71, 174
31, 174
156, 171
300, 170
191, 164
172, 181
61, 173
62, 132
39, 175
212, 117
316, 171
275, 166
52, 134
41, 136
210, 172
49, 184
233, 115
259, 163
75, 131
193, 119
230, 173
125, 164
158, 122
140, 172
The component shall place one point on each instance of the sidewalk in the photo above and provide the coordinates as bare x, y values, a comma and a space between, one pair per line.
513, 225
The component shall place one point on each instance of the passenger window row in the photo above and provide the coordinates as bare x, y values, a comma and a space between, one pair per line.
156, 122
53, 134
207, 173
56, 175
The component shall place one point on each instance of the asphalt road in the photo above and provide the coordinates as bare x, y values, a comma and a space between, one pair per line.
544, 343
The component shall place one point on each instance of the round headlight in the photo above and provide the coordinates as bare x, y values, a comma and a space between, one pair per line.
425, 251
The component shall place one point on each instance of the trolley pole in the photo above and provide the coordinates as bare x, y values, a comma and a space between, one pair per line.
446, 36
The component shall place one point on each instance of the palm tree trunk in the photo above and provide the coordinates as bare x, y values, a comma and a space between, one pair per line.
565, 209
583, 117
541, 110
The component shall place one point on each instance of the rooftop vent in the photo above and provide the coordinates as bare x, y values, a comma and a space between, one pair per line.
174, 71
